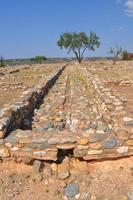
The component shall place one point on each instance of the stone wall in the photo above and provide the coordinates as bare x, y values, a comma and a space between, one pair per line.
14, 116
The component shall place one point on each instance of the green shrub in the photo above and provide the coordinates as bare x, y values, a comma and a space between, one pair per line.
125, 55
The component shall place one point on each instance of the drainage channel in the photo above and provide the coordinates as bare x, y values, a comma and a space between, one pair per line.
68, 106
66, 122
62, 122
19, 115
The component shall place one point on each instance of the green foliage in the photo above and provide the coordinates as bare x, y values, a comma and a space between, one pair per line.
39, 59
78, 43
125, 55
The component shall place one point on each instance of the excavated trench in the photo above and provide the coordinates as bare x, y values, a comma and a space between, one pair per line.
35, 97
27, 122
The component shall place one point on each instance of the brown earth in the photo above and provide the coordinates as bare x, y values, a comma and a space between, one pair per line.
110, 180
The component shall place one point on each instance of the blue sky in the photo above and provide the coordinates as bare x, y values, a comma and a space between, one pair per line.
32, 27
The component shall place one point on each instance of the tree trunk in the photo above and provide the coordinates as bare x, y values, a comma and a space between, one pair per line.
79, 56
80, 60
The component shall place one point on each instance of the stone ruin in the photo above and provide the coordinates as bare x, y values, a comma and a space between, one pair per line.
22, 139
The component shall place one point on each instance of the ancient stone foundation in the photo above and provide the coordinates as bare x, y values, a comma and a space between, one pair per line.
108, 136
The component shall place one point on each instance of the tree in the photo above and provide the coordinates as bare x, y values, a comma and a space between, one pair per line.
116, 52
39, 59
78, 43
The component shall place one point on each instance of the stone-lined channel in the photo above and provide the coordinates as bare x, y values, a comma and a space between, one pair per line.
69, 115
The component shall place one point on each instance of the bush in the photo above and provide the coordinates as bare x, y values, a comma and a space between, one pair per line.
39, 59
127, 56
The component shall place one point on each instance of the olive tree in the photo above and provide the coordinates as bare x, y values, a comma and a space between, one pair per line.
78, 43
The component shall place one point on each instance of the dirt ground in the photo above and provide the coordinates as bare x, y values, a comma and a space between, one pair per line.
108, 180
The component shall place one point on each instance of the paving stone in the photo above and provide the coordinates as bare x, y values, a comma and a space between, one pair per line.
123, 135
66, 146
93, 125
11, 139
54, 167
63, 172
37, 166
73, 125
109, 144
27, 149
85, 196
102, 127
97, 137
25, 140
83, 141
130, 142
38, 128
71, 190
95, 152
48, 125
67, 139
128, 121
119, 108
54, 140
40, 153
38, 145
122, 149
95, 146
45, 154
27, 160
38, 140
23, 134
80, 152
